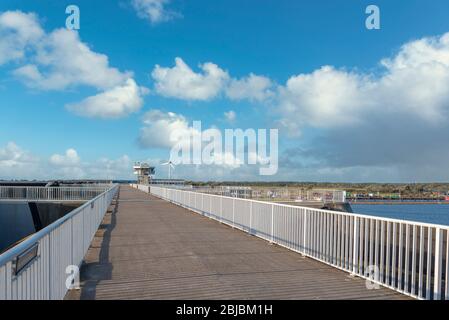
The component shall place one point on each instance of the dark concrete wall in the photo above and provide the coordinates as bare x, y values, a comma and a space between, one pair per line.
50, 212
16, 223
16, 220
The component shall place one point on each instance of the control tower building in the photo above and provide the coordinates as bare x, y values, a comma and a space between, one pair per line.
144, 172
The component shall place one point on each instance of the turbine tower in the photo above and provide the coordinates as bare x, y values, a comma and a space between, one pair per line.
170, 166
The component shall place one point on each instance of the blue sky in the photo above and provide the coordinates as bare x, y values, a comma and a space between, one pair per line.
331, 119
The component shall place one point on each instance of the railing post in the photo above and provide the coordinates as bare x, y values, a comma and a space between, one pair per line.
356, 246
250, 216
50, 271
438, 264
233, 212
304, 231
221, 209
202, 204
272, 223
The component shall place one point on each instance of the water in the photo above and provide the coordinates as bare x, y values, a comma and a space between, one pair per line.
430, 213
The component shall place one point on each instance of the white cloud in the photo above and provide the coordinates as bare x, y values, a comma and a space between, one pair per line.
62, 60
325, 98
113, 103
169, 130
163, 130
230, 116
252, 87
70, 158
153, 10
18, 31
12, 155
182, 82
415, 83
59, 60
394, 123
16, 163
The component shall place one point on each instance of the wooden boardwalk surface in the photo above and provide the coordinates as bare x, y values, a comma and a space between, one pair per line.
148, 248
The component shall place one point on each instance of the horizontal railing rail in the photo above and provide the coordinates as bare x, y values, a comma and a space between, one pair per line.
406, 256
60, 247
51, 193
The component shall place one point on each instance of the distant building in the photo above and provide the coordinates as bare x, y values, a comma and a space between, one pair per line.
167, 182
144, 173
236, 192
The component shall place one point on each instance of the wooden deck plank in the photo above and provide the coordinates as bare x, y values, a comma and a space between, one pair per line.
148, 248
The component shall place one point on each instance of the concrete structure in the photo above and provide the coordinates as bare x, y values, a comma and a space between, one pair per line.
179, 182
144, 172
35, 268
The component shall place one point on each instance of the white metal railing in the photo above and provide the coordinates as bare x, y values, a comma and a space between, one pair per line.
59, 245
52, 193
407, 256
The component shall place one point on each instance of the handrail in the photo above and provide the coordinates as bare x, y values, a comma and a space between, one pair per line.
407, 256
14, 251
58, 246
359, 215
83, 192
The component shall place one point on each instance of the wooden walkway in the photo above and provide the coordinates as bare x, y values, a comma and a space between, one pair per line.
148, 248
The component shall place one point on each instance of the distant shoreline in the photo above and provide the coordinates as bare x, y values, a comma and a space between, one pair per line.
398, 202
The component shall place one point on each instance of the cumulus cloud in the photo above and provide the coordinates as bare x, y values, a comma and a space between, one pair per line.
70, 158
153, 10
325, 98
62, 60
18, 32
114, 103
172, 132
415, 83
163, 129
182, 82
59, 60
252, 87
17, 163
396, 121
12, 156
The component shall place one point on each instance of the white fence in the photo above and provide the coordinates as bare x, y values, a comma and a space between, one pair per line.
410, 257
51, 193
61, 244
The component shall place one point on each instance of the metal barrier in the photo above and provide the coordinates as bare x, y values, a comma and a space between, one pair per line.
406, 256
51, 193
37, 268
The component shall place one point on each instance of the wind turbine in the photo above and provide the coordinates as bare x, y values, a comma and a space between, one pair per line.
170, 166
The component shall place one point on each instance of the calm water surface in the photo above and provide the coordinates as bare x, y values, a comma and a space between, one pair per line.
430, 213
